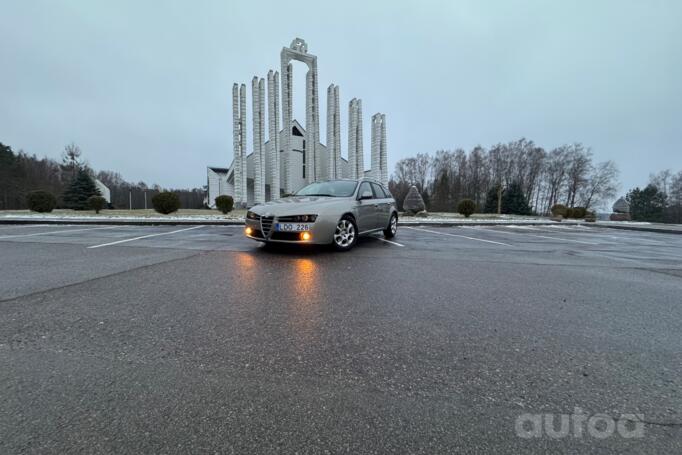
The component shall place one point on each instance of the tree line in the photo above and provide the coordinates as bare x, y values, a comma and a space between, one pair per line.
529, 178
660, 201
21, 174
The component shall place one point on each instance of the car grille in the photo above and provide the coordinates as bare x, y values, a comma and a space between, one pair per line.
293, 219
266, 224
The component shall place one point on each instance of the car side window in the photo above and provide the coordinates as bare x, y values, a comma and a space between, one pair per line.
365, 188
378, 192
386, 192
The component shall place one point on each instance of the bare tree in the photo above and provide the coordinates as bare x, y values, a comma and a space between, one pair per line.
662, 180
71, 159
601, 185
579, 160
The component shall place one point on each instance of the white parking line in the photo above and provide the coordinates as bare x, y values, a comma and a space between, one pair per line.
457, 235
388, 241
54, 232
144, 237
544, 236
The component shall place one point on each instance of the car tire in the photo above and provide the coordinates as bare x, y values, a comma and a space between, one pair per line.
392, 228
345, 234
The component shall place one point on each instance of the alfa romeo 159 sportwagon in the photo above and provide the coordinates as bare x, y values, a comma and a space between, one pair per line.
328, 212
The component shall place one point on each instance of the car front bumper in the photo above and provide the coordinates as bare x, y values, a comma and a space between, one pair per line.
321, 233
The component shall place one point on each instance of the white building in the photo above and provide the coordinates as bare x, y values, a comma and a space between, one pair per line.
103, 190
296, 156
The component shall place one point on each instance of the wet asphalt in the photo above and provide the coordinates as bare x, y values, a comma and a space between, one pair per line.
200, 341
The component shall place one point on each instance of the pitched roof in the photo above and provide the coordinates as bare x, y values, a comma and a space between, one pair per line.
218, 170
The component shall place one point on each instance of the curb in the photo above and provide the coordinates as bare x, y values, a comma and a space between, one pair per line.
114, 222
639, 228
142, 222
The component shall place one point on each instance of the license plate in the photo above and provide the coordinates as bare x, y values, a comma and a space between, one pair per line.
292, 227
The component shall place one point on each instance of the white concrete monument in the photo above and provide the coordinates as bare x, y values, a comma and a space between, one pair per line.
293, 156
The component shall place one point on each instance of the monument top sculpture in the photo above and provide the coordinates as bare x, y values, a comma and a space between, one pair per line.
299, 45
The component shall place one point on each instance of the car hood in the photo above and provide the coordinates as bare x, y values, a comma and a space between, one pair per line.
297, 205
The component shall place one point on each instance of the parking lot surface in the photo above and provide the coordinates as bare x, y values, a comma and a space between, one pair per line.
171, 339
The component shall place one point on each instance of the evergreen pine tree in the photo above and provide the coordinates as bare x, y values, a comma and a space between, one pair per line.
648, 204
79, 190
514, 201
491, 200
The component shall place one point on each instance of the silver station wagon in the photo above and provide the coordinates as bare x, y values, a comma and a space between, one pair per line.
332, 212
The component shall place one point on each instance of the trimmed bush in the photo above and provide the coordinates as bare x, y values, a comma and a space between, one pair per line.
97, 203
559, 209
41, 201
579, 212
224, 203
590, 216
466, 207
570, 212
166, 202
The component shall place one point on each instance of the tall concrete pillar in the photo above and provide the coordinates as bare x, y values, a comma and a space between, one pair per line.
242, 155
359, 156
337, 134
273, 133
286, 122
236, 142
383, 153
375, 170
309, 149
255, 103
334, 169
315, 101
258, 98
331, 140
352, 130
261, 139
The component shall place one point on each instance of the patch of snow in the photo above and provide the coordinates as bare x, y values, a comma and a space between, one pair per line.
634, 223
47, 217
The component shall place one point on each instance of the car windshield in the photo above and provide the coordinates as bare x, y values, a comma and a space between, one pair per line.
334, 188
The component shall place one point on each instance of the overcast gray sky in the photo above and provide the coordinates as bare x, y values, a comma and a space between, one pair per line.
144, 87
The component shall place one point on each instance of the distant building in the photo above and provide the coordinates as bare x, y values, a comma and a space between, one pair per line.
296, 156
216, 184
104, 190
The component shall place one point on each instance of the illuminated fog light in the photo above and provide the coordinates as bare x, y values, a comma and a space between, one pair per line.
306, 236
248, 231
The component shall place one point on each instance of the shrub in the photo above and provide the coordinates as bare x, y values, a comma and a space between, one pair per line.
559, 209
590, 216
224, 203
466, 207
579, 212
166, 202
97, 203
41, 201
570, 213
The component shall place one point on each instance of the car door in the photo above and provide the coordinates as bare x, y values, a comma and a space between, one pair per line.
384, 206
367, 208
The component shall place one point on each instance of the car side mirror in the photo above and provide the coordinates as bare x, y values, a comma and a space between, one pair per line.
366, 195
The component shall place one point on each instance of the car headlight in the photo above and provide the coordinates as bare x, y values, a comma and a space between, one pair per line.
299, 218
252, 216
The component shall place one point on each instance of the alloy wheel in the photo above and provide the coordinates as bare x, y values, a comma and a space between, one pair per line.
344, 234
